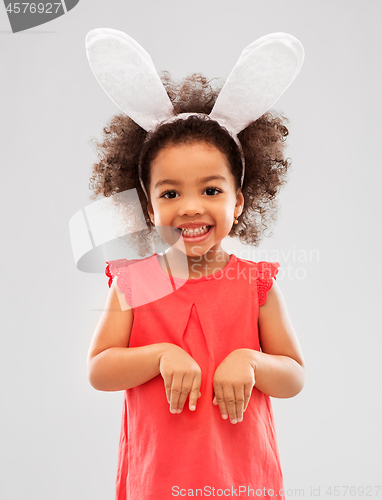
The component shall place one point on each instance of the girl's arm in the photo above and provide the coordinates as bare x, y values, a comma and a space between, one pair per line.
279, 368
113, 366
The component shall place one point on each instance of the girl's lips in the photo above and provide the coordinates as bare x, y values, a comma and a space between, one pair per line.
201, 237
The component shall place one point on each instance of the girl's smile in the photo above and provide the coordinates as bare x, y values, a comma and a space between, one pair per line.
198, 233
193, 190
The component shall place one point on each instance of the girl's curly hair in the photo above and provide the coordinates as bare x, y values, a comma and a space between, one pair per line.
126, 149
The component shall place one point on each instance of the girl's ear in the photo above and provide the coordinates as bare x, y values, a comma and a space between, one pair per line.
239, 201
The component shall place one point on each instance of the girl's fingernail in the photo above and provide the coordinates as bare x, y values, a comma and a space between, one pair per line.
179, 411
239, 419
172, 411
192, 408
234, 421
224, 416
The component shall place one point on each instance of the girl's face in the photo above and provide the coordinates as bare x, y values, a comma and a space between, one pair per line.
192, 184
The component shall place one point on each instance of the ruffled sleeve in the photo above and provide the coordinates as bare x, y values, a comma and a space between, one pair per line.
266, 271
119, 269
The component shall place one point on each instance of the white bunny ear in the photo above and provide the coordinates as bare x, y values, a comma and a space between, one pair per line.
127, 74
263, 72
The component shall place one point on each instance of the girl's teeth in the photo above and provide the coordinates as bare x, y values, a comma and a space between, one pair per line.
195, 232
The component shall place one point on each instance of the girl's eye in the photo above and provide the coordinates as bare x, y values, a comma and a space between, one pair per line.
168, 192
213, 189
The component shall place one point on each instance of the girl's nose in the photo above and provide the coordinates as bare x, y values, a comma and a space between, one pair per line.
191, 205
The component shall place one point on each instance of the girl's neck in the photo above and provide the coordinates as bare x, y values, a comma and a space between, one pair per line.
173, 262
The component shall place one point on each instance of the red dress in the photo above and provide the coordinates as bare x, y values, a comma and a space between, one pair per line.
164, 455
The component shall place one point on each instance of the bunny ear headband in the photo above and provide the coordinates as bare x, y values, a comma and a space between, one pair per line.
127, 74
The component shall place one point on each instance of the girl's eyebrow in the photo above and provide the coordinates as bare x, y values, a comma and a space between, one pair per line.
201, 181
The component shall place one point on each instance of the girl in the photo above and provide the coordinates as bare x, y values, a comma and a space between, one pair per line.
198, 362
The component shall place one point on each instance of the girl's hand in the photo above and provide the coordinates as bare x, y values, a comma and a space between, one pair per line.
182, 377
233, 383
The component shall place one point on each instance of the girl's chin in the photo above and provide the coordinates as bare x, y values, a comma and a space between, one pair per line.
191, 251
195, 250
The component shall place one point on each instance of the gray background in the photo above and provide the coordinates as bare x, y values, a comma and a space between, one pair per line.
59, 436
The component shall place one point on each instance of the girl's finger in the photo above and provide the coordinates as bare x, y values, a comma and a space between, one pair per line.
239, 402
247, 395
175, 393
214, 402
219, 396
195, 392
167, 388
184, 391
230, 402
